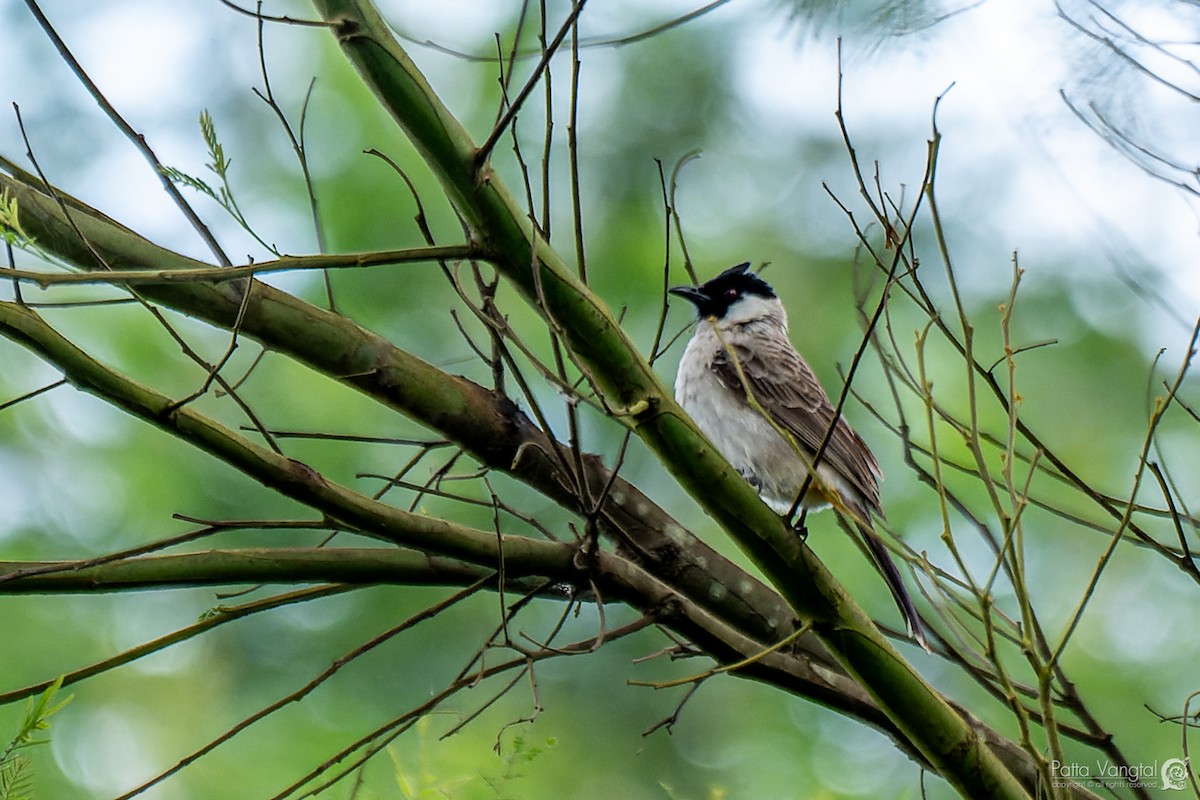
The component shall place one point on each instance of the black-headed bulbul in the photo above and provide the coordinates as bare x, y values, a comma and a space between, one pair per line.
741, 348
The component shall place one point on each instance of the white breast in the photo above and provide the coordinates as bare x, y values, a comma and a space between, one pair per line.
741, 433
747, 440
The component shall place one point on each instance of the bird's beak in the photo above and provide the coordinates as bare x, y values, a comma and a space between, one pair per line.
691, 293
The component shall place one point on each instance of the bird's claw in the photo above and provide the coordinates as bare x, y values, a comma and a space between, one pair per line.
799, 524
800, 528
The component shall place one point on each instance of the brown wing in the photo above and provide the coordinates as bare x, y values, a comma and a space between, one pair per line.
788, 390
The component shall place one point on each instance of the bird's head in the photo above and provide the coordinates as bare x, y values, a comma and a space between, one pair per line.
735, 297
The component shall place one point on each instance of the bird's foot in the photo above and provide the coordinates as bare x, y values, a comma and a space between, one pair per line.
799, 524
801, 528
751, 479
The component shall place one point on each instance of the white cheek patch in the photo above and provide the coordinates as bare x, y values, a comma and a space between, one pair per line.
751, 307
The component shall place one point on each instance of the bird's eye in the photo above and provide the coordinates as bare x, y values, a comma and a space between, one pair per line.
731, 294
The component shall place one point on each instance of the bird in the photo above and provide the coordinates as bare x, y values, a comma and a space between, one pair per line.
761, 405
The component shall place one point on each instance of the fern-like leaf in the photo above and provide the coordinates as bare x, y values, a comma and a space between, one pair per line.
16, 770
181, 178
16, 778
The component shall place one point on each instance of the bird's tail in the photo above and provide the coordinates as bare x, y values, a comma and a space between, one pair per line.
891, 575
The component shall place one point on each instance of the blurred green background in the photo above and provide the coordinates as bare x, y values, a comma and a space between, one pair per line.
1108, 254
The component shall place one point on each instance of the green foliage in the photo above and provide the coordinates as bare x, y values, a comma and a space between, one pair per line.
219, 164
427, 780
521, 755
10, 223
16, 768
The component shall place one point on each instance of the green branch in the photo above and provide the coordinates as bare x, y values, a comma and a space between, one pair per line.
617, 578
938, 731
337, 569
496, 433
272, 565
806, 674
486, 424
145, 277
288, 476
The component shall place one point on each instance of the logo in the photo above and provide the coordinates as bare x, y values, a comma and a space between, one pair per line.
1174, 774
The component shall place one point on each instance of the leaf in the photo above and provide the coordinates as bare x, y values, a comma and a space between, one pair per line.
10, 221
16, 779
16, 770
218, 163
183, 179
